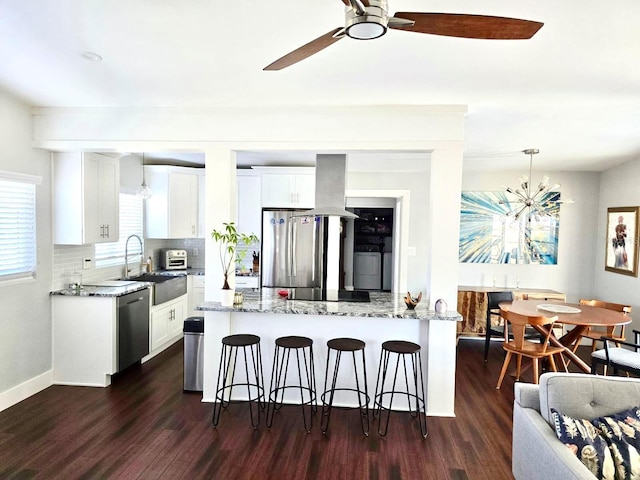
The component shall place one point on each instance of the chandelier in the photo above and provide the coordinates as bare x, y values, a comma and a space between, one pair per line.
536, 202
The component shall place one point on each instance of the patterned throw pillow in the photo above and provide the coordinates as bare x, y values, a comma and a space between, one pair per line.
622, 432
585, 441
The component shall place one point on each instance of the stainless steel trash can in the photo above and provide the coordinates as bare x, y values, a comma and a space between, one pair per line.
193, 353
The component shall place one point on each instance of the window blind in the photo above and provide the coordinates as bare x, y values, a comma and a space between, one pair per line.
17, 229
108, 254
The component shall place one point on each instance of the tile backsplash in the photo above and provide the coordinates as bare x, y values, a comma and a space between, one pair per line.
247, 263
69, 259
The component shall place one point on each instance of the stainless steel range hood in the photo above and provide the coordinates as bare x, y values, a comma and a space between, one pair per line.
331, 179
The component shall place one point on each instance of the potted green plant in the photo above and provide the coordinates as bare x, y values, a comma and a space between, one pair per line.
228, 239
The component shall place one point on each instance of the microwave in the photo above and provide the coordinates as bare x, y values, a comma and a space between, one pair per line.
173, 259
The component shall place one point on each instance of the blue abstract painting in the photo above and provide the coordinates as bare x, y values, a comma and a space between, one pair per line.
488, 234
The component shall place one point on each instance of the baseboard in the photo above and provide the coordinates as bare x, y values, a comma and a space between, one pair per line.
161, 349
25, 390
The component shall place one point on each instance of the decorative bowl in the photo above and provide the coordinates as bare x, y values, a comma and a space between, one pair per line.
412, 301
283, 293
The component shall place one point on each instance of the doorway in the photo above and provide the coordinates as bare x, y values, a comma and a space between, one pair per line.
368, 248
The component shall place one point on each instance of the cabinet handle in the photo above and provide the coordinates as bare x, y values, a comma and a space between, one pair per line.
101, 231
107, 231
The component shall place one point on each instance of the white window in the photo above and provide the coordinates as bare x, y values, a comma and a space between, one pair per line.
108, 254
17, 225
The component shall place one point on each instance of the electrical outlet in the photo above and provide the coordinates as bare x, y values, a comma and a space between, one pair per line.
87, 263
411, 251
195, 252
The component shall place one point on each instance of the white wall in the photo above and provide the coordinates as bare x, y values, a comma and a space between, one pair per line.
418, 184
574, 274
25, 322
619, 187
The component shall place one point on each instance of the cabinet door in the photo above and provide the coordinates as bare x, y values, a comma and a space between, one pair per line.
176, 321
160, 326
196, 294
249, 205
305, 191
94, 228
183, 205
108, 198
278, 190
101, 186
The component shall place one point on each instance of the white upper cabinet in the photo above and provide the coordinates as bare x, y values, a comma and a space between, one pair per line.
287, 189
86, 189
172, 210
249, 207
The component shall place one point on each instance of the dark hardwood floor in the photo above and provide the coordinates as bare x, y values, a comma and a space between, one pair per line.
145, 427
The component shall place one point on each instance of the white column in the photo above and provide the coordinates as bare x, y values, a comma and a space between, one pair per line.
442, 277
220, 207
445, 186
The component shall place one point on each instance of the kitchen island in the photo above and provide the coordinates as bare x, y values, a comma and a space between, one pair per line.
386, 317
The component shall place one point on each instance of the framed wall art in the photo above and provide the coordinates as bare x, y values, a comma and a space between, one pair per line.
621, 254
490, 233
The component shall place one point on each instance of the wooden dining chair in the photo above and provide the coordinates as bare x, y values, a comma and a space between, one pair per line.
615, 332
499, 327
521, 347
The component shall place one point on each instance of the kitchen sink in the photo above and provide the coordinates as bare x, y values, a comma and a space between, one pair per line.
165, 287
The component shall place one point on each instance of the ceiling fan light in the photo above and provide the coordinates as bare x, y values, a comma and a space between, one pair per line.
366, 29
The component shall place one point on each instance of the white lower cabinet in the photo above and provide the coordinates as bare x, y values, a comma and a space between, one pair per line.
167, 321
196, 295
84, 340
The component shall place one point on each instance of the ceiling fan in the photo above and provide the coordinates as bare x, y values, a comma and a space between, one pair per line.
369, 19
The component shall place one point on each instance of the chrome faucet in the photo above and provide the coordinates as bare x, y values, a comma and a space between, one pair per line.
126, 254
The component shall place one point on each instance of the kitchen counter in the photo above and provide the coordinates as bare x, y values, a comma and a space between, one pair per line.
265, 314
117, 291
103, 291
382, 305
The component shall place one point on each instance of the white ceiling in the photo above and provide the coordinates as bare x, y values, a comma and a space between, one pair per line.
573, 90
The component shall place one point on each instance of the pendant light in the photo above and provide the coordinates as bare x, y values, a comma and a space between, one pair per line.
144, 191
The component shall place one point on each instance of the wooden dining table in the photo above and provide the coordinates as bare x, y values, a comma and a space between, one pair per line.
586, 316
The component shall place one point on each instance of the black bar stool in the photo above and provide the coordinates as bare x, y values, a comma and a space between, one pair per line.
227, 370
414, 390
339, 345
303, 347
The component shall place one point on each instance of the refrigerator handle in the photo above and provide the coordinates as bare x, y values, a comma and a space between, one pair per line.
292, 255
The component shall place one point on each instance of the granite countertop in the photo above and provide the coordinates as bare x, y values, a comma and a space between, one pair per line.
103, 291
387, 305
117, 291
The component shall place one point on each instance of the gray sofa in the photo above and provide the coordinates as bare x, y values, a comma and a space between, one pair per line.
537, 452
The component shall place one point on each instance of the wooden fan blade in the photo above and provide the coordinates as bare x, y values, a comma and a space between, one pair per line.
469, 26
305, 51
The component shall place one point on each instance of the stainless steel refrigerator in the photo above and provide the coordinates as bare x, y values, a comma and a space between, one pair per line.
292, 250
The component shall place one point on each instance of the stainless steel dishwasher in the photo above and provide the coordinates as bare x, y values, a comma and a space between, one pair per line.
132, 328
